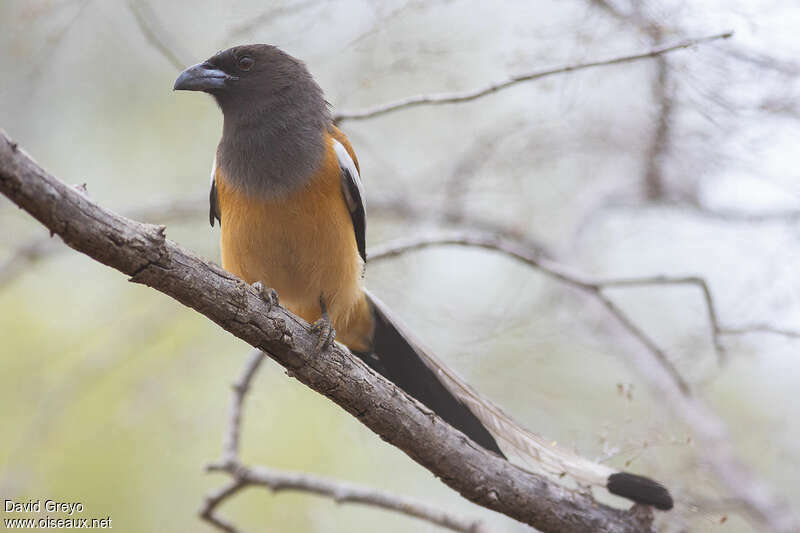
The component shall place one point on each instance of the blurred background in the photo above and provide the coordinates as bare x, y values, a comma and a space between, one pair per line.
113, 395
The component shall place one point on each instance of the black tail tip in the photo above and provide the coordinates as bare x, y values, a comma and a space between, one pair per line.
640, 489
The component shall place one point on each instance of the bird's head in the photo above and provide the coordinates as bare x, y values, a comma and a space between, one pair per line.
276, 117
248, 75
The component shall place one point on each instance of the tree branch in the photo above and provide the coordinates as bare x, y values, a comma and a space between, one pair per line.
230, 451
700, 283
466, 96
654, 186
215, 499
142, 252
271, 15
533, 259
760, 328
709, 431
342, 492
154, 33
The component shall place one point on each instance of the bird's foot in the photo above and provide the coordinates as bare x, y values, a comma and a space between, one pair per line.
268, 294
323, 327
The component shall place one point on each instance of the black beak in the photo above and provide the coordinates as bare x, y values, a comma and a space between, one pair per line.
200, 77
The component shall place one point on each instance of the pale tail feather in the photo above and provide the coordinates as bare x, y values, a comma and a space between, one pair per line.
523, 447
533, 451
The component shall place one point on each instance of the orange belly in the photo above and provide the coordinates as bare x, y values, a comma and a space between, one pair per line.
303, 246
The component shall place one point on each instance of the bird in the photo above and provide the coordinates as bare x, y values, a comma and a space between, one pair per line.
287, 192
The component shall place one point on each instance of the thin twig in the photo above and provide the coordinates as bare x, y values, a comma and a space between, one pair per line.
533, 259
342, 492
702, 284
215, 499
270, 15
53, 42
519, 249
155, 34
761, 328
654, 188
277, 480
399, 206
466, 96
230, 451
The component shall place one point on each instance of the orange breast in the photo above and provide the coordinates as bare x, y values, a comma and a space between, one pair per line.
303, 246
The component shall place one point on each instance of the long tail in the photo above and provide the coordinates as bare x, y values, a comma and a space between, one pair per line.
404, 360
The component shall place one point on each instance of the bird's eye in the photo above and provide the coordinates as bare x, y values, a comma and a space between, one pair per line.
246, 63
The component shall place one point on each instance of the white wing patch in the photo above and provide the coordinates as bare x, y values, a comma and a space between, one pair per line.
346, 162
213, 201
213, 170
353, 193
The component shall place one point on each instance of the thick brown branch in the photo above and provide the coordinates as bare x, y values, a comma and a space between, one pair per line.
466, 96
142, 252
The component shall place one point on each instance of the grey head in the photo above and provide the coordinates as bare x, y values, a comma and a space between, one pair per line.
275, 117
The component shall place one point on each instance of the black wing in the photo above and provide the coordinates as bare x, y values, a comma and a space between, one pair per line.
353, 192
213, 200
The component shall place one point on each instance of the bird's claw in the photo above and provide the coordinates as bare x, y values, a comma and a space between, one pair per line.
268, 294
323, 328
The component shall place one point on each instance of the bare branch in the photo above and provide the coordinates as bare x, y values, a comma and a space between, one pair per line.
710, 432
788, 68
700, 283
230, 451
659, 144
54, 41
143, 252
533, 259
342, 492
466, 96
761, 328
215, 499
155, 33
654, 188
268, 16
452, 214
